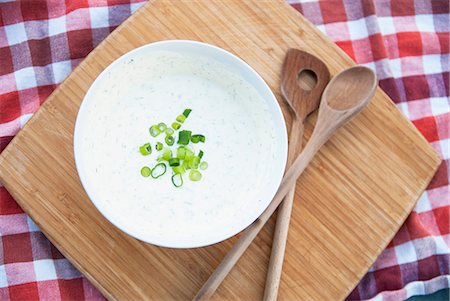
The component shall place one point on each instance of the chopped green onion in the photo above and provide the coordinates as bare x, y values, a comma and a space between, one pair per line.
158, 170
184, 137
145, 149
174, 162
181, 118
185, 158
177, 180
187, 112
197, 138
179, 169
176, 126
203, 165
195, 175
146, 171
167, 154
194, 162
188, 154
162, 126
154, 130
186, 165
181, 152
170, 140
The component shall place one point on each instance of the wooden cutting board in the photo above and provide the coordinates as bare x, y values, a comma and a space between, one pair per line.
349, 204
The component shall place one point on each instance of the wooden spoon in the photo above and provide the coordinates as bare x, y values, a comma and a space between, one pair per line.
344, 97
303, 79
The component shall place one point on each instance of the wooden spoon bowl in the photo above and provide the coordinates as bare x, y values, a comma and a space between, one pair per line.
346, 92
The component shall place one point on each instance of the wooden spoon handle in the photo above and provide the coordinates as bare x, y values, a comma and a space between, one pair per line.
280, 236
283, 219
304, 78
289, 179
232, 257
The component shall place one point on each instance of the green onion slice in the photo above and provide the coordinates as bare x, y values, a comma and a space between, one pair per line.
167, 154
194, 162
146, 171
174, 162
158, 170
195, 175
198, 138
159, 146
184, 137
200, 154
170, 140
204, 165
176, 126
195, 139
177, 180
179, 169
188, 154
181, 118
169, 132
162, 126
186, 165
145, 149
187, 112
154, 130
181, 152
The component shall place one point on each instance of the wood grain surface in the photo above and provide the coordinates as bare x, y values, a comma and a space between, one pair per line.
349, 204
303, 79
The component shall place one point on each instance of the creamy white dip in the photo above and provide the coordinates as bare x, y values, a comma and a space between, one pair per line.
156, 87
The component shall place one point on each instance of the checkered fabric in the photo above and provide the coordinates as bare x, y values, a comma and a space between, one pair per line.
405, 41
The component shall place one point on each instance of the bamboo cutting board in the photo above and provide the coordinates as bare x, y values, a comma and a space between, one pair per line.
349, 202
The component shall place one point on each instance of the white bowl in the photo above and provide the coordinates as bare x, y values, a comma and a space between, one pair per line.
246, 151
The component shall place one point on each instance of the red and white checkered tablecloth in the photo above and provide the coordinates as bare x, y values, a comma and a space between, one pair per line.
405, 41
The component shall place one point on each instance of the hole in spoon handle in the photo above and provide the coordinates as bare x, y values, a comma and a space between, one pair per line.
307, 79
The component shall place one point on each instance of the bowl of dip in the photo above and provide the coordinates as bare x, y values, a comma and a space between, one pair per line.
245, 147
